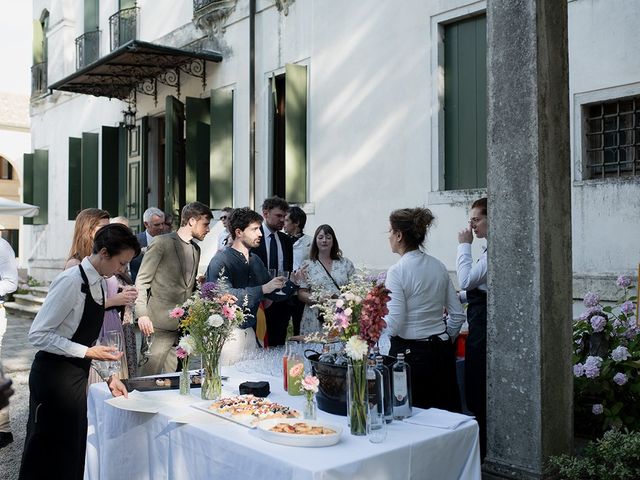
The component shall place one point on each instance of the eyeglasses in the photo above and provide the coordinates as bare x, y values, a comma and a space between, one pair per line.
224, 217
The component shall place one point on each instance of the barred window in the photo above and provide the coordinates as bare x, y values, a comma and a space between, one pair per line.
613, 138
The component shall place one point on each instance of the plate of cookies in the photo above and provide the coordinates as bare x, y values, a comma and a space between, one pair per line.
297, 432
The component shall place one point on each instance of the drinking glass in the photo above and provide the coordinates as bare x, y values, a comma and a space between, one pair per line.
106, 368
149, 340
285, 274
114, 339
376, 427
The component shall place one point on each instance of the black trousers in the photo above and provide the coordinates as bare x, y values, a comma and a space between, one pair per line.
433, 372
297, 309
475, 363
277, 317
57, 426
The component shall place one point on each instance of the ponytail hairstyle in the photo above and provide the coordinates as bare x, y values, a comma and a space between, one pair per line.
413, 223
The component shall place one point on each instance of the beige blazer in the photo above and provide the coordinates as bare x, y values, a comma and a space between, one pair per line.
161, 283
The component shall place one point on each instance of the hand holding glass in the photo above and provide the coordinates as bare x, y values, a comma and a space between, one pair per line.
284, 274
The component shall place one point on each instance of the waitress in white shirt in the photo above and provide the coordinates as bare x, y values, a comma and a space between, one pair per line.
63, 331
421, 292
472, 278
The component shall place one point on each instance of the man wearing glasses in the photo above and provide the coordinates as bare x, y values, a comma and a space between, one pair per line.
224, 239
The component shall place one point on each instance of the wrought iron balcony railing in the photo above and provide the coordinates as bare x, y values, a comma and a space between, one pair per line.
87, 49
38, 79
123, 26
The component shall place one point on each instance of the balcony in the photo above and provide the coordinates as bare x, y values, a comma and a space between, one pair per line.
87, 49
123, 27
39, 79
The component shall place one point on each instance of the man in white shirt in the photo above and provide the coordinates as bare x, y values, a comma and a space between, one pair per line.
294, 224
8, 284
153, 219
224, 239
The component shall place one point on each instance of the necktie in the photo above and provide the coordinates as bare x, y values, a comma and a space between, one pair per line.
273, 252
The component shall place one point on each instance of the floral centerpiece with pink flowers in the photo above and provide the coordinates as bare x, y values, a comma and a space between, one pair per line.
606, 363
357, 318
207, 319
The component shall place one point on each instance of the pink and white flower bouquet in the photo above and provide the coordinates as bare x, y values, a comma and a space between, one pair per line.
208, 319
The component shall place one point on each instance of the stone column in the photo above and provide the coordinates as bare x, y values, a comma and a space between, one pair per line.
530, 395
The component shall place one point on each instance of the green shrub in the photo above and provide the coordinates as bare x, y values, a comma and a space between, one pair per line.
615, 456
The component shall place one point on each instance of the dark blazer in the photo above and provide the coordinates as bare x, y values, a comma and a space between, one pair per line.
287, 250
135, 263
161, 282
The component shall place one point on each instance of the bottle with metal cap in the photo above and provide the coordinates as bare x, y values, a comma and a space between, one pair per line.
401, 375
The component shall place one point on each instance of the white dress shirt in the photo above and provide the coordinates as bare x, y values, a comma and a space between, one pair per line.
222, 239
301, 251
8, 268
420, 291
471, 275
60, 315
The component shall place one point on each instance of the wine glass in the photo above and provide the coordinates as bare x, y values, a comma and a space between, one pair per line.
285, 274
149, 341
113, 338
106, 368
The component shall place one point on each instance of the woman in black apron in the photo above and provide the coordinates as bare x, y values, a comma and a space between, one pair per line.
64, 330
472, 278
421, 291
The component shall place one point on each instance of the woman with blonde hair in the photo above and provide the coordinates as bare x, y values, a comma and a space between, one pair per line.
88, 222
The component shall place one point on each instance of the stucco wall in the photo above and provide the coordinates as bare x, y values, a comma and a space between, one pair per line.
373, 106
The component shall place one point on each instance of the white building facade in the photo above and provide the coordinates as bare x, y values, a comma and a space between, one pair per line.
357, 108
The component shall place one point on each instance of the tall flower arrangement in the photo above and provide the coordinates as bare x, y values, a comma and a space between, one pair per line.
208, 318
357, 318
606, 361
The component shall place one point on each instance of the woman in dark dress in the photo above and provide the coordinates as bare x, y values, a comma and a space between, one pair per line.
64, 331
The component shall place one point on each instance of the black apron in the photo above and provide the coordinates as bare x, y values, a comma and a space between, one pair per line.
56, 439
475, 362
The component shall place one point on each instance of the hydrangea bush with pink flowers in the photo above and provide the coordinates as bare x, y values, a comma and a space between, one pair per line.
606, 363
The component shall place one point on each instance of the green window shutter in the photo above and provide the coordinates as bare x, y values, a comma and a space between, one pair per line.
111, 192
197, 113
91, 15
174, 164
27, 184
41, 185
465, 104
221, 151
75, 178
296, 133
89, 169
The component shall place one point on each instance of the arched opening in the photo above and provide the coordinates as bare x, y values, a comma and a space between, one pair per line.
10, 189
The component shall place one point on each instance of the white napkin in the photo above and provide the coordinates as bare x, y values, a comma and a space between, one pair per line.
435, 417
137, 402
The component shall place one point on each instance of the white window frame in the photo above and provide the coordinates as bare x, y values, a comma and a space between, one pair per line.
438, 195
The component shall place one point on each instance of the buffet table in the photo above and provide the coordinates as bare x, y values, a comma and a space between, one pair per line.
180, 442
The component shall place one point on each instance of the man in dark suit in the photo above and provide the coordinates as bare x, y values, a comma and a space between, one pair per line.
167, 278
276, 252
153, 219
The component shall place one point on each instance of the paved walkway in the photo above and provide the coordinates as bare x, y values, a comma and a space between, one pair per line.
17, 355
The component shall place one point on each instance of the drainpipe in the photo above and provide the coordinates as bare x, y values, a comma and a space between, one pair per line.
252, 104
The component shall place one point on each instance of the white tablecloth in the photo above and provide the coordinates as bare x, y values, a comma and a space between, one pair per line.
180, 442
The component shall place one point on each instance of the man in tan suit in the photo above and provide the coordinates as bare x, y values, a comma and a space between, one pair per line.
166, 278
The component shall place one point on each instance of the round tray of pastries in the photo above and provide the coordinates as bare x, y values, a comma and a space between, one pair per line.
299, 433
